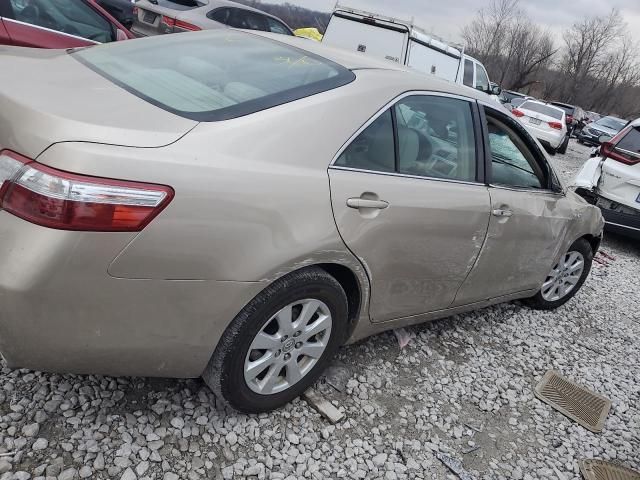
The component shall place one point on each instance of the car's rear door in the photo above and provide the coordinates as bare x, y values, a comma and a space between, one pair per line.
529, 214
410, 202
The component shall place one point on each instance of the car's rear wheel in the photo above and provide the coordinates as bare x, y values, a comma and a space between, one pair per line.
280, 343
565, 279
562, 149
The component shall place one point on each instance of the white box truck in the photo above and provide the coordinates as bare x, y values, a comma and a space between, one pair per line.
402, 42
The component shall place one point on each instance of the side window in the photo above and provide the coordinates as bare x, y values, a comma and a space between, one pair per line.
436, 138
221, 15
74, 17
373, 149
277, 27
515, 162
631, 143
247, 20
482, 79
468, 73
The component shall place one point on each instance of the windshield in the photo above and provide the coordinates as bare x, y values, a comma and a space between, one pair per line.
552, 112
215, 74
611, 122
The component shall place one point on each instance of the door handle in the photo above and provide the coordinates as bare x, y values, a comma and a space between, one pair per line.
501, 212
366, 203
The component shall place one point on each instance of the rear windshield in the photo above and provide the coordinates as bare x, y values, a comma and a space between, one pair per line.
611, 122
180, 4
215, 74
567, 108
552, 112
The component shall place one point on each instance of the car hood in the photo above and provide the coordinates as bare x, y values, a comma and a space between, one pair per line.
46, 97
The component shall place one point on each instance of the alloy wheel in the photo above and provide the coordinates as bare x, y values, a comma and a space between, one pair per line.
564, 277
288, 346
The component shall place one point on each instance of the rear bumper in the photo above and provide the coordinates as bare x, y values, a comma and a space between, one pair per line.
60, 310
548, 139
618, 219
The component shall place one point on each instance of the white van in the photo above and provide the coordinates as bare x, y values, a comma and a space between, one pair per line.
400, 41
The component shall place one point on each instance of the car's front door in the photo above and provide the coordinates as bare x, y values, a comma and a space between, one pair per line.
410, 202
529, 219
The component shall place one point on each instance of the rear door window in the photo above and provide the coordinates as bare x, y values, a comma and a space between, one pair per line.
423, 136
73, 17
468, 73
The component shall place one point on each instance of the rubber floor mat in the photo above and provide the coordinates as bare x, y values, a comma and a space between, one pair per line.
584, 406
601, 470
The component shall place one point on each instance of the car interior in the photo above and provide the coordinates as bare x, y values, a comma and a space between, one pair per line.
73, 17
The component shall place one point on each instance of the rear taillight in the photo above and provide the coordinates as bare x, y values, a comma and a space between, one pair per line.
168, 21
187, 26
65, 201
556, 125
517, 112
608, 150
135, 11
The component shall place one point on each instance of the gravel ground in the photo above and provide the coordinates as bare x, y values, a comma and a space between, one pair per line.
461, 383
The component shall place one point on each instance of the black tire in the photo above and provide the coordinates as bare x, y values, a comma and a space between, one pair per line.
538, 302
562, 149
225, 372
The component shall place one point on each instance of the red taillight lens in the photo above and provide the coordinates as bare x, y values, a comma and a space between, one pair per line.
569, 118
556, 125
65, 201
608, 150
517, 112
135, 11
168, 21
187, 26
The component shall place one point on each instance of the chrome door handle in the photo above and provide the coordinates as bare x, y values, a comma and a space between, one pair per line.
500, 212
365, 203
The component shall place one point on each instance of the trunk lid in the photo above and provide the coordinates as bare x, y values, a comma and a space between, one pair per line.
152, 16
73, 103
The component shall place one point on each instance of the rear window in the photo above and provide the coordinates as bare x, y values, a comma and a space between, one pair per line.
552, 112
180, 4
216, 74
567, 108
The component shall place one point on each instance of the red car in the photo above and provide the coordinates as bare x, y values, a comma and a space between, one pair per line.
57, 24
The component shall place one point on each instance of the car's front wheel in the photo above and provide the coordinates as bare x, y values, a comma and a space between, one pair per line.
280, 343
566, 277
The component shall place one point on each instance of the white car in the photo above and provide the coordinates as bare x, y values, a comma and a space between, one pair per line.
546, 123
611, 180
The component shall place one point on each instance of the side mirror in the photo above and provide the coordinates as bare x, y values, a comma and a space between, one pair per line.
604, 138
496, 90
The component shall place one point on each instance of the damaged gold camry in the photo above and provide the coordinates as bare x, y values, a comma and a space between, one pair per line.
238, 205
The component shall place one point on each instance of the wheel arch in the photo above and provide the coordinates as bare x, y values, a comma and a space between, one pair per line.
348, 279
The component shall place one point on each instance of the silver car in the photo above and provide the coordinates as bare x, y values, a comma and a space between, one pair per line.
155, 17
238, 205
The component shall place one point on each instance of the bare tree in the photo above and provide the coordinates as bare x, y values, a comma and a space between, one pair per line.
587, 44
512, 48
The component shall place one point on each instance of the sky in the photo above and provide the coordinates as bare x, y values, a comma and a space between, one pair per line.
445, 18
